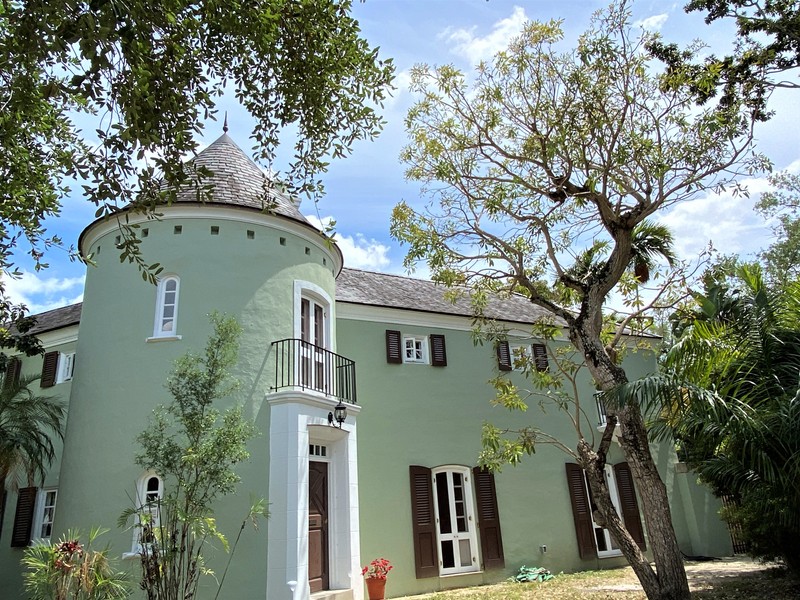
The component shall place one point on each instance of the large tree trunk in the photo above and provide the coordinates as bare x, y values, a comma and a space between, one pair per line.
668, 580
667, 555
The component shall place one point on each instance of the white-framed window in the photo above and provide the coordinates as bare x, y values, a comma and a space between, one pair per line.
601, 409
66, 367
45, 511
607, 546
415, 349
149, 494
456, 533
316, 367
520, 356
167, 295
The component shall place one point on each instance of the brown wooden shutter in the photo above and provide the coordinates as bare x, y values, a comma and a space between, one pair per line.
3, 496
540, 357
488, 519
581, 511
628, 503
49, 369
426, 556
394, 342
23, 518
13, 369
438, 350
503, 356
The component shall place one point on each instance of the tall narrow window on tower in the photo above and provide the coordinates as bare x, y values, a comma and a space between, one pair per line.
316, 370
166, 321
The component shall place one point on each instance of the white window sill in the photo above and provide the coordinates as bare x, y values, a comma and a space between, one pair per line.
461, 574
609, 554
163, 338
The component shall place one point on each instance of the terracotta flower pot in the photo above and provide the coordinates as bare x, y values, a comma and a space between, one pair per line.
375, 588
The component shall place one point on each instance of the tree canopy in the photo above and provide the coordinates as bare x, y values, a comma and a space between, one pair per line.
543, 169
766, 49
782, 203
147, 75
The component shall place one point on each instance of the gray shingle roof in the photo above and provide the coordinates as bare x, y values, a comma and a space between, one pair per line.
238, 180
370, 289
395, 291
58, 318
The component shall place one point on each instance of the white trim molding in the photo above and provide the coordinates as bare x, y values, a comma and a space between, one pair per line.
297, 420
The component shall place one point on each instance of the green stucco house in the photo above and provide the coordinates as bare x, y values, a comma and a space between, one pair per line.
396, 479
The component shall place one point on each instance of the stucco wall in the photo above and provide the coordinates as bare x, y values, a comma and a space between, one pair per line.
247, 269
10, 570
423, 415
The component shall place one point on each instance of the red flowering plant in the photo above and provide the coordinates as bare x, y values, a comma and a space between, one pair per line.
377, 569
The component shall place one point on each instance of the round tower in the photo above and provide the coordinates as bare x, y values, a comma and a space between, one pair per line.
262, 263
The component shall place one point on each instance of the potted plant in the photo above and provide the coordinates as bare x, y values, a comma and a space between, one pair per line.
375, 575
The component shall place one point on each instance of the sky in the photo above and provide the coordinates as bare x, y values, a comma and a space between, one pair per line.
363, 188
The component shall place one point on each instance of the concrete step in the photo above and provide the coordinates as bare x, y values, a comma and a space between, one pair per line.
333, 595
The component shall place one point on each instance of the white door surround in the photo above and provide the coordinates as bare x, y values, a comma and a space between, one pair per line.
297, 420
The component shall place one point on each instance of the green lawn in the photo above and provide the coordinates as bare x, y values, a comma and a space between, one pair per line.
717, 580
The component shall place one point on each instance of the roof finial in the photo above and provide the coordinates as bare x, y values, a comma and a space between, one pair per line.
225, 124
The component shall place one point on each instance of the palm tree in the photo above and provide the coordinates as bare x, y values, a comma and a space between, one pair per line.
649, 241
28, 425
730, 396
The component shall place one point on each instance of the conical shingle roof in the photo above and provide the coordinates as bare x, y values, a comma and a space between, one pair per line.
237, 180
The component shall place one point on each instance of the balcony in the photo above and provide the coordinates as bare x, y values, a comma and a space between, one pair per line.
304, 366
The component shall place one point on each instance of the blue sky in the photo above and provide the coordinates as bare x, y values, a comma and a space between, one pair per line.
363, 189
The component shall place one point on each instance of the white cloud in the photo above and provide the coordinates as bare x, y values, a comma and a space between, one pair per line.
725, 219
654, 23
402, 81
359, 252
475, 48
42, 294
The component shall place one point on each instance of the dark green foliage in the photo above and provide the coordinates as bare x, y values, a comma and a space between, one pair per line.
146, 75
71, 570
743, 435
782, 257
766, 48
28, 425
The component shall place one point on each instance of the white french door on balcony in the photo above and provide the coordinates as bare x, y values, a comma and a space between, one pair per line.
313, 327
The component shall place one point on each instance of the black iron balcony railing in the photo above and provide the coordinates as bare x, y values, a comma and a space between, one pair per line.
303, 365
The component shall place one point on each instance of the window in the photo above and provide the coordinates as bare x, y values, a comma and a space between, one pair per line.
33, 519
444, 522
518, 356
166, 321
315, 363
66, 367
601, 409
415, 349
594, 540
149, 493
45, 511
57, 367
455, 519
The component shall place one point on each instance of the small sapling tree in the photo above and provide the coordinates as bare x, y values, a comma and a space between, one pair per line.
193, 447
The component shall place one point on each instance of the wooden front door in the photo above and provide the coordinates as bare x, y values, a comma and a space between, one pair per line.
318, 526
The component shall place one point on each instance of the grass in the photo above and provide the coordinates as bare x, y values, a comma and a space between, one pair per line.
709, 581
